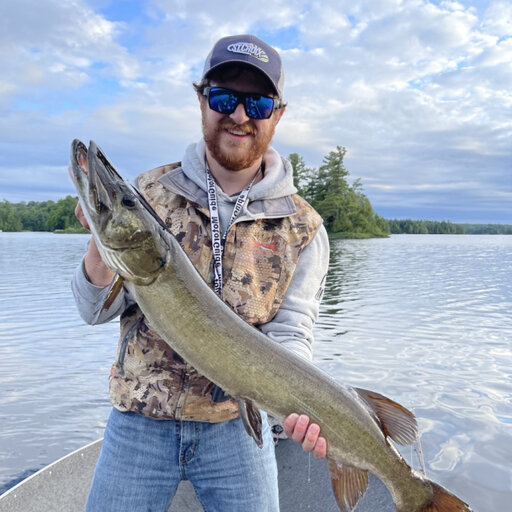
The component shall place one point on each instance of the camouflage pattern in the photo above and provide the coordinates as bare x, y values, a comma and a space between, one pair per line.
149, 378
260, 257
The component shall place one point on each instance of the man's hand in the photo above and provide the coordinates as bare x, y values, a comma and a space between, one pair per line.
298, 428
79, 214
96, 271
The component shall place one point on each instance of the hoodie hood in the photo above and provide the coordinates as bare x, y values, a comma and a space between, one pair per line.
277, 179
269, 198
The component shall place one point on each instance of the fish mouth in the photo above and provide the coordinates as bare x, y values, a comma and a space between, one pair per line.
122, 248
80, 155
113, 258
99, 182
101, 185
78, 168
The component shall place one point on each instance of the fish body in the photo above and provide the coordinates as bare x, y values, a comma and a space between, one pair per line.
199, 326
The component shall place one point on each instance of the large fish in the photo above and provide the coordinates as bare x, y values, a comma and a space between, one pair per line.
198, 325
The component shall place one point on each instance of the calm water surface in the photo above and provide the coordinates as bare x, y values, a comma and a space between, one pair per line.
424, 319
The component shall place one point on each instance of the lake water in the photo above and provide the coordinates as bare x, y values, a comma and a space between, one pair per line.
424, 319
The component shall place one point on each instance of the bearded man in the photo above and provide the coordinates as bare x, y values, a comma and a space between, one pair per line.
232, 206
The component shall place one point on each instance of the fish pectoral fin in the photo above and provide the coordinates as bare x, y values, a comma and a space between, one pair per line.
396, 421
251, 418
115, 288
348, 484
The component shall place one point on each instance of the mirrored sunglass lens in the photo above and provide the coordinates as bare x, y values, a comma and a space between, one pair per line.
222, 102
259, 107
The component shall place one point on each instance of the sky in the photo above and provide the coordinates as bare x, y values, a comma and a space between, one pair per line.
418, 92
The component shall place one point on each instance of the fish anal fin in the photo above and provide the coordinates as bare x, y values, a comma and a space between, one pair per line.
251, 418
396, 421
444, 501
348, 484
115, 288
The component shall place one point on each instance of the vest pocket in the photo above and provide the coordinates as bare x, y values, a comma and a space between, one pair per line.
254, 267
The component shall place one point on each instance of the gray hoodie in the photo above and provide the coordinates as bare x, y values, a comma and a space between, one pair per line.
293, 324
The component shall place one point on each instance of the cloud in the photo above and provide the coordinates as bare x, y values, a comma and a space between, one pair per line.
497, 20
418, 92
54, 45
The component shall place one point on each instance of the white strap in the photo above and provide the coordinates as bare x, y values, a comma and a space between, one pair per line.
218, 241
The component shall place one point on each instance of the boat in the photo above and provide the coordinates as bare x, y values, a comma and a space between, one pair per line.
304, 485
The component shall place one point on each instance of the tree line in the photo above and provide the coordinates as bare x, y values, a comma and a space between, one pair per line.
424, 227
488, 229
40, 216
431, 227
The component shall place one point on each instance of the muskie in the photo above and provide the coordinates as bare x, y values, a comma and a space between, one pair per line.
181, 307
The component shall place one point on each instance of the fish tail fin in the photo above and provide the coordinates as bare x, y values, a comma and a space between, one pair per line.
444, 501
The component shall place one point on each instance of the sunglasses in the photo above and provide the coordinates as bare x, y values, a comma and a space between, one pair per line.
225, 101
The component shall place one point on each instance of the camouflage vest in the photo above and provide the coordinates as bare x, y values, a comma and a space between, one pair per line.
259, 259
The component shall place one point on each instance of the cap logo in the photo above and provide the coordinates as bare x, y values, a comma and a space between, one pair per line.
249, 49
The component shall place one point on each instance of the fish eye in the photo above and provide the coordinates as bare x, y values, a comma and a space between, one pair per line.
128, 202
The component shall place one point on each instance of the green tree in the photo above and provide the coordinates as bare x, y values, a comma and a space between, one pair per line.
34, 215
62, 215
331, 193
9, 220
303, 176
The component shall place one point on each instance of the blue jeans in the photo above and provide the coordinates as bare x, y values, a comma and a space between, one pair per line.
142, 461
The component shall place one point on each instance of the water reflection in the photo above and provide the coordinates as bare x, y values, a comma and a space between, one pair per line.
53, 368
426, 321
423, 319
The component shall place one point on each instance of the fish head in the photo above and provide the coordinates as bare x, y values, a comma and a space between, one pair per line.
126, 229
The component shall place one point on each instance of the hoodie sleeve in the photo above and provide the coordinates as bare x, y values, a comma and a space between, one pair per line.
90, 298
293, 324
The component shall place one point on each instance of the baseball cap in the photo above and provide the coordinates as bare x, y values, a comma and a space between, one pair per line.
250, 50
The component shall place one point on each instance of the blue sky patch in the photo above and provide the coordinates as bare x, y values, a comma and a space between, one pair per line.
285, 38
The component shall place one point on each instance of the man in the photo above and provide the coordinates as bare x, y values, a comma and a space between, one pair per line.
232, 206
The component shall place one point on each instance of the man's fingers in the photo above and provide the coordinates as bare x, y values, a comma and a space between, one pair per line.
320, 448
289, 424
311, 437
299, 431
79, 213
298, 428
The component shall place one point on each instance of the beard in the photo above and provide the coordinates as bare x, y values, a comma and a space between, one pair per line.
236, 160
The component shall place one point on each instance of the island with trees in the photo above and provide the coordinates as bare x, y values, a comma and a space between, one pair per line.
346, 210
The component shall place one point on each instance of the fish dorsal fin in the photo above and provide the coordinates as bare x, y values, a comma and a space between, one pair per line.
115, 288
348, 484
251, 418
396, 421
